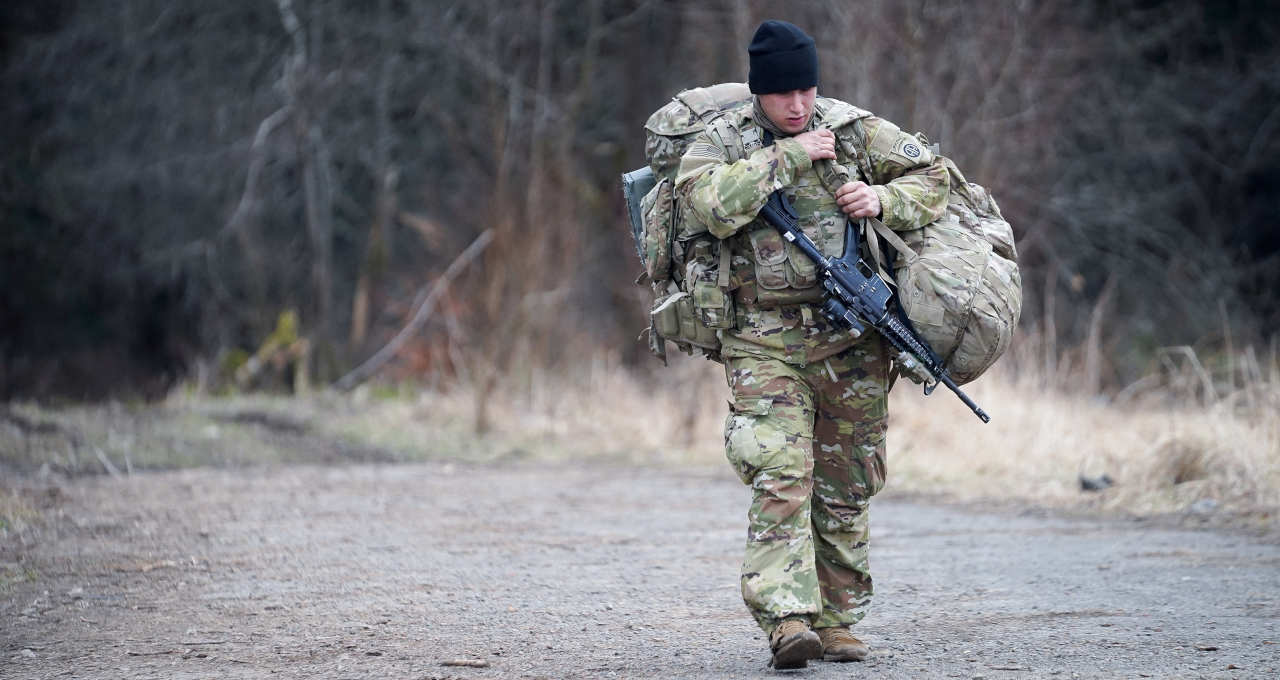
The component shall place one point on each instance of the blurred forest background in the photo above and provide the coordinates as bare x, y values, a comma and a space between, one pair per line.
180, 176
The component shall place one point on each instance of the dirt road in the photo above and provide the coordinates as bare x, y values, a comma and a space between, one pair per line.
588, 571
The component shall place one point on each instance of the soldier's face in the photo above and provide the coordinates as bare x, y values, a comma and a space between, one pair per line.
790, 111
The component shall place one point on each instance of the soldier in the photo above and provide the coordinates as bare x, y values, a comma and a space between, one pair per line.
806, 428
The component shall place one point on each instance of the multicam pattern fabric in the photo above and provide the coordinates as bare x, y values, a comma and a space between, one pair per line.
670, 130
963, 293
768, 274
808, 419
810, 441
690, 300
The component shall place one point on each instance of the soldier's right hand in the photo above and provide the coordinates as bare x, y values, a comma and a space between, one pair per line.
818, 144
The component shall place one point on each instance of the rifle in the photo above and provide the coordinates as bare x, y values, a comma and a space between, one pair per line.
856, 297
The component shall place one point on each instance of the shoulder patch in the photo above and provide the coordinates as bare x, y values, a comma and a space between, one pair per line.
911, 150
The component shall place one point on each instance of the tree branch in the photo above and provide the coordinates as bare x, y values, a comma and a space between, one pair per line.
425, 303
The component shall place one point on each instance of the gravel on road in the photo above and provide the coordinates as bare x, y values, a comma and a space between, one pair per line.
585, 570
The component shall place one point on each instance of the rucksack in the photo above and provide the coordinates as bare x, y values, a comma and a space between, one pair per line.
957, 278
972, 243
686, 268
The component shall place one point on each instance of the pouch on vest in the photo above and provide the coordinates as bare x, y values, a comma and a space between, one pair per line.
707, 280
784, 275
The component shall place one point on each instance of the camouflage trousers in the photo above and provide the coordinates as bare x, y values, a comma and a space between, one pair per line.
810, 441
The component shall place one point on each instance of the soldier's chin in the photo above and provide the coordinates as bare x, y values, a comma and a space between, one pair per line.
794, 127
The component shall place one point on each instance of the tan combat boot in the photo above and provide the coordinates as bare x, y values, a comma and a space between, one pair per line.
793, 644
838, 644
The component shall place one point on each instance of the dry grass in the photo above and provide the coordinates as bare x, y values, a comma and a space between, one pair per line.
1040, 443
602, 411
1169, 448
16, 512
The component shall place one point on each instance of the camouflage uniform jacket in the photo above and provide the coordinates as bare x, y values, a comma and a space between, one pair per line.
776, 288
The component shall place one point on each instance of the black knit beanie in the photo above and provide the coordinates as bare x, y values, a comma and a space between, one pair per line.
783, 58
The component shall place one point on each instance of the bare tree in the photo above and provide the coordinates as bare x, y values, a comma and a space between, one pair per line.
179, 175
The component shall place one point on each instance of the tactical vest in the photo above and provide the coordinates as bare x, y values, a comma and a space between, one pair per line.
693, 276
957, 278
767, 271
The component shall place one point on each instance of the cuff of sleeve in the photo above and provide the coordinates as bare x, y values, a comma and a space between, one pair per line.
888, 205
794, 157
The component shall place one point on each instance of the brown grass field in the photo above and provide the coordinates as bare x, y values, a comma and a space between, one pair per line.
1179, 444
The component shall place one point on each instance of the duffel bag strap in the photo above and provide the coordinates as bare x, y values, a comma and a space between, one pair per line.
894, 240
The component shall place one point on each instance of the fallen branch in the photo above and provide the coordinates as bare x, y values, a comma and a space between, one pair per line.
425, 303
106, 462
466, 663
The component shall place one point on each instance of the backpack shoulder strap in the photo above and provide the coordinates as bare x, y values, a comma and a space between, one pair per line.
845, 120
736, 135
728, 137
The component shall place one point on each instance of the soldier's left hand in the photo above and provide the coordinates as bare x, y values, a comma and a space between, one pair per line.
857, 199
